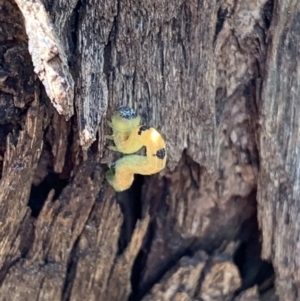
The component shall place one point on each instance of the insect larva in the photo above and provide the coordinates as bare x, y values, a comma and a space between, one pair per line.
129, 137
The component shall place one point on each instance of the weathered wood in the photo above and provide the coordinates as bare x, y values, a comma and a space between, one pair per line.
181, 283
58, 134
19, 164
278, 185
198, 277
210, 76
48, 56
57, 229
251, 294
95, 23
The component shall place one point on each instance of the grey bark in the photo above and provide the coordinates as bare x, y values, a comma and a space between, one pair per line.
219, 80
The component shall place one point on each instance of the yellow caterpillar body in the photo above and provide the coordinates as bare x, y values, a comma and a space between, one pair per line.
129, 137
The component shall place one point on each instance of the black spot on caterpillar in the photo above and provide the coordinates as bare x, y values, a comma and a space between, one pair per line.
129, 137
161, 153
143, 128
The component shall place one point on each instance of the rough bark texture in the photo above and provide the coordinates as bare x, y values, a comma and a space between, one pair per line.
279, 190
219, 80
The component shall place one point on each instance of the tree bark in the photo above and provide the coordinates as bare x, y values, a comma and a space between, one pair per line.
219, 80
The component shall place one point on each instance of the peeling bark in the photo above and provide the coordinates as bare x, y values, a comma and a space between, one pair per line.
48, 56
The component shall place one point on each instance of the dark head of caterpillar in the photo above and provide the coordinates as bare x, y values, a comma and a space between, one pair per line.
126, 112
124, 120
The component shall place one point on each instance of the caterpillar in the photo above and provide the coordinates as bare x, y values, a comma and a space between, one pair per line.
129, 137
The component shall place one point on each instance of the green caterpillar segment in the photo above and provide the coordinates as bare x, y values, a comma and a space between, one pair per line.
124, 121
125, 169
109, 137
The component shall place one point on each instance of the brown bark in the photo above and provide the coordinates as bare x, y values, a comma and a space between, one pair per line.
219, 80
